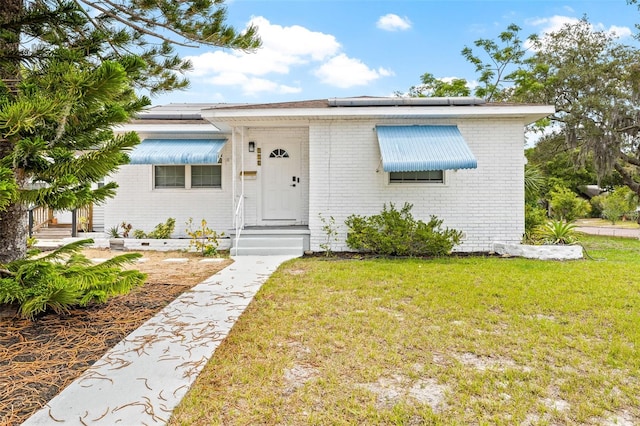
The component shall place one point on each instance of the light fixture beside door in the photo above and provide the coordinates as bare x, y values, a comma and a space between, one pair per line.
252, 146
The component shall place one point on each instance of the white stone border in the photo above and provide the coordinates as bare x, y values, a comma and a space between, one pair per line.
542, 252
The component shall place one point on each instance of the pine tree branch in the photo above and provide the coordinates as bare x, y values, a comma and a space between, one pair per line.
101, 27
129, 23
7, 273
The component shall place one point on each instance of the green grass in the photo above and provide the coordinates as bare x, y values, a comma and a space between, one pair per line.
450, 341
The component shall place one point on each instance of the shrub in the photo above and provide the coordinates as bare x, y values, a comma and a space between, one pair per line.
533, 217
139, 234
63, 279
330, 232
617, 204
203, 239
162, 231
566, 205
396, 233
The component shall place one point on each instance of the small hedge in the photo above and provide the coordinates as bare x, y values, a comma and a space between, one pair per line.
396, 233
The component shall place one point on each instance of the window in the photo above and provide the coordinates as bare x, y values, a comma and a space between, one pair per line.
206, 176
187, 177
169, 177
429, 176
279, 153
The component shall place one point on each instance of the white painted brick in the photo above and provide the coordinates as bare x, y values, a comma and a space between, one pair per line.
342, 175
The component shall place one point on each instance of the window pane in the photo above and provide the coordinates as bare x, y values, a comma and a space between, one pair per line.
206, 176
169, 176
435, 176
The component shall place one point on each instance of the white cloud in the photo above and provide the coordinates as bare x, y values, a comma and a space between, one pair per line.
392, 22
555, 23
251, 86
552, 24
284, 50
621, 32
344, 72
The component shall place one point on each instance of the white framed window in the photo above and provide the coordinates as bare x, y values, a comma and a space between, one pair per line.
427, 176
187, 176
169, 177
209, 176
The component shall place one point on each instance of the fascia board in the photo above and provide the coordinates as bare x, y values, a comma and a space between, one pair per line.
529, 113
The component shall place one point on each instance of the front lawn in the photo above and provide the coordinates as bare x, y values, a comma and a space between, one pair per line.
466, 340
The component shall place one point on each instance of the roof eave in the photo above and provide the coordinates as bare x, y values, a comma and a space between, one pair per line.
529, 113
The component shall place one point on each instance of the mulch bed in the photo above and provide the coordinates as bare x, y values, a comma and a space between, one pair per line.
38, 359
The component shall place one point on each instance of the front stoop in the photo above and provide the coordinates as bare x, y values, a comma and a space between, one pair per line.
270, 241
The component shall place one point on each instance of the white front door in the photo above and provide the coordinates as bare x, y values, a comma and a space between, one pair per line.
281, 181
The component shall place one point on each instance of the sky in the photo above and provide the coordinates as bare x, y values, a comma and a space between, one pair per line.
319, 49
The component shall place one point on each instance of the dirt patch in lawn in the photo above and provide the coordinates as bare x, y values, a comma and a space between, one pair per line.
38, 359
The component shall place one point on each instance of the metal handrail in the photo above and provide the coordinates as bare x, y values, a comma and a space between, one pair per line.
239, 219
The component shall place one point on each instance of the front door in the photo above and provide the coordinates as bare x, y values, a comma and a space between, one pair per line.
281, 181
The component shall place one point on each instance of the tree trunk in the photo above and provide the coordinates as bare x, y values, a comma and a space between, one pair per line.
14, 220
13, 233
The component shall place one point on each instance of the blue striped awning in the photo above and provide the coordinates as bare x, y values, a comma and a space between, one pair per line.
177, 151
422, 148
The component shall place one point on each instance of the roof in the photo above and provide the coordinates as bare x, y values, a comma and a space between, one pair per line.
299, 112
367, 101
423, 148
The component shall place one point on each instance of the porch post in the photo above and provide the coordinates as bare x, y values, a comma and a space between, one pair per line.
242, 148
233, 176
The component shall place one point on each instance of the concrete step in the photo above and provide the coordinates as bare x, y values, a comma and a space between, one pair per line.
266, 251
53, 233
261, 245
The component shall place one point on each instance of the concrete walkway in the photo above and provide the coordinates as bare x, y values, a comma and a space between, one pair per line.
143, 378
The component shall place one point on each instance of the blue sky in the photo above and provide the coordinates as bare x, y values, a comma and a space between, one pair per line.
316, 49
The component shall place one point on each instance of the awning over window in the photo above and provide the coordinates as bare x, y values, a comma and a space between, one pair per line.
177, 151
422, 148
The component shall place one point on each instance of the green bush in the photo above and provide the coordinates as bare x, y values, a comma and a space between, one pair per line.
162, 231
63, 279
533, 217
566, 205
139, 234
621, 202
396, 233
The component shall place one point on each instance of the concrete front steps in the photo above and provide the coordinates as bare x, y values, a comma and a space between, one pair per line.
270, 241
53, 232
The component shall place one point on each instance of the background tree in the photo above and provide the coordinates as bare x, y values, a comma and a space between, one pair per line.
69, 69
436, 87
593, 81
499, 72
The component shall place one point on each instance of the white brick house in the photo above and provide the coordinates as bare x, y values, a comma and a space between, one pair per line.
285, 165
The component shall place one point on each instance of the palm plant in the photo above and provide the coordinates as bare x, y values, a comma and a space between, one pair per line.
557, 232
63, 279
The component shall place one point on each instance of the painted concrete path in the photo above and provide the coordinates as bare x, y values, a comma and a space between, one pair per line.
143, 378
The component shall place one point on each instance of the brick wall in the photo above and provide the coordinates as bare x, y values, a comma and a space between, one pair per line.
137, 203
486, 203
341, 174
